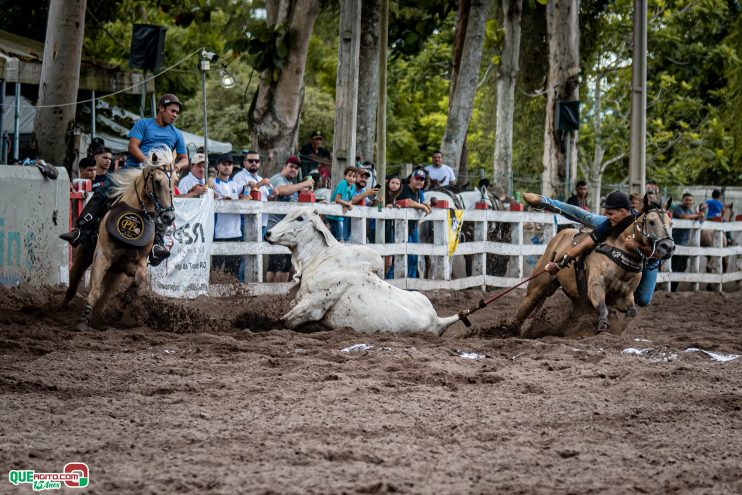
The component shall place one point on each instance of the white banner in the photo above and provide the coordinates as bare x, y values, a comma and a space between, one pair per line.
185, 274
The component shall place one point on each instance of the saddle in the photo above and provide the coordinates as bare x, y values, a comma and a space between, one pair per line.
129, 225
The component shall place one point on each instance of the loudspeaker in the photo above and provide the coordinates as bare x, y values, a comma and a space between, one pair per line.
568, 115
147, 46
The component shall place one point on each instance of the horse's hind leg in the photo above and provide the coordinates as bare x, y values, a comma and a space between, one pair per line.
538, 291
101, 265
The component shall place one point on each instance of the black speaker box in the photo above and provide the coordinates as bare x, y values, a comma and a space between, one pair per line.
568, 115
147, 47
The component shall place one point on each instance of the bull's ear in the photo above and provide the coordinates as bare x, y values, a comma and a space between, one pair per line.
319, 226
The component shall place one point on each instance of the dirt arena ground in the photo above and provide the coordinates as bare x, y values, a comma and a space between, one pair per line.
213, 396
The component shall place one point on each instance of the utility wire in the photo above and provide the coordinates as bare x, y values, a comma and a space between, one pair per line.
12, 105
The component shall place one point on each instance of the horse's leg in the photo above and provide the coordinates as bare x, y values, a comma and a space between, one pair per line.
101, 264
539, 289
597, 297
83, 259
140, 276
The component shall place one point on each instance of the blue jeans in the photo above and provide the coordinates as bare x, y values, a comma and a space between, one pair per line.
644, 292
412, 238
337, 229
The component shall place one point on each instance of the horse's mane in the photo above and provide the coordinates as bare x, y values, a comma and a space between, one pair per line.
124, 180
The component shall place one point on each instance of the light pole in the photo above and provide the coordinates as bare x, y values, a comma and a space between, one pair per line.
206, 59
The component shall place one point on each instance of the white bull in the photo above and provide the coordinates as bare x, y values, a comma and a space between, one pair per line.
338, 286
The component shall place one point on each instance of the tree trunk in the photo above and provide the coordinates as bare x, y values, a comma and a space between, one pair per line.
274, 113
596, 171
507, 73
346, 89
60, 79
368, 79
467, 77
562, 83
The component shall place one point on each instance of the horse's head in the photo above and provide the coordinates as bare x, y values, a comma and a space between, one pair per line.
654, 229
159, 182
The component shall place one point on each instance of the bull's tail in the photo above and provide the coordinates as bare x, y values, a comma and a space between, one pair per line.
444, 323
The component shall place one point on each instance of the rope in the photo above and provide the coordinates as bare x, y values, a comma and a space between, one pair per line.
167, 69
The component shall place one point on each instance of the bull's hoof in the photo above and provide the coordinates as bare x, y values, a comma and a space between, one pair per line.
631, 312
603, 325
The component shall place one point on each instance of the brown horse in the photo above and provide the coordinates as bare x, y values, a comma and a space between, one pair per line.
608, 281
148, 193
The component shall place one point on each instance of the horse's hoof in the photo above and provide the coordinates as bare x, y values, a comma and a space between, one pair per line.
631, 312
603, 325
82, 326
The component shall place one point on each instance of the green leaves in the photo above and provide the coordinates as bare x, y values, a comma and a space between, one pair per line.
265, 46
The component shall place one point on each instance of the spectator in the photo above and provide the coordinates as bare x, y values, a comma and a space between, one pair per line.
371, 169
580, 196
284, 189
228, 226
211, 173
95, 144
653, 191
393, 188
87, 168
102, 157
343, 194
250, 181
636, 201
714, 205
440, 174
681, 237
413, 191
366, 196
314, 156
193, 185
118, 161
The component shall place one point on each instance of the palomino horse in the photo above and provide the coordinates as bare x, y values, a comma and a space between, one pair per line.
145, 196
612, 274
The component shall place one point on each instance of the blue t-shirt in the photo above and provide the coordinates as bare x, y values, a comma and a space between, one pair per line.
714, 208
152, 135
346, 192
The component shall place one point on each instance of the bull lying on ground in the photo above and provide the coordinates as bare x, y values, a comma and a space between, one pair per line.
338, 286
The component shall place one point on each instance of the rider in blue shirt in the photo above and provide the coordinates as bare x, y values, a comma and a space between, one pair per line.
145, 135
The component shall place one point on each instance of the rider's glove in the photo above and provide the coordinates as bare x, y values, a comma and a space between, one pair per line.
564, 262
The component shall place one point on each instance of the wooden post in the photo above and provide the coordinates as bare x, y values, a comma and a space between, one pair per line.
479, 261
251, 232
695, 261
381, 113
346, 89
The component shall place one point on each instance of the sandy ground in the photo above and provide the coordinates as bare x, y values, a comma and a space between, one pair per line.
213, 396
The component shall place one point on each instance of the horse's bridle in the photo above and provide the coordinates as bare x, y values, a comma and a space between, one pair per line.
149, 192
640, 228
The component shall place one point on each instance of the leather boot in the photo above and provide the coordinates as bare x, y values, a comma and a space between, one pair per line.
88, 220
533, 199
159, 252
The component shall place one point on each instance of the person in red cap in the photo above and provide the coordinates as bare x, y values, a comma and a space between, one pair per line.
285, 190
144, 136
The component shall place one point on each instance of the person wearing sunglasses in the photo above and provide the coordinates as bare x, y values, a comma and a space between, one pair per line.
413, 192
250, 180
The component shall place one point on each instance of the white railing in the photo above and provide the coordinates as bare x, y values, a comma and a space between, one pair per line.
522, 253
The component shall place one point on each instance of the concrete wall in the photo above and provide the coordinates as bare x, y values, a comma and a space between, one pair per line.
34, 210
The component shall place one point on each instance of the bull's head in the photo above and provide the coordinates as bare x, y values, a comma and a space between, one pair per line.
301, 224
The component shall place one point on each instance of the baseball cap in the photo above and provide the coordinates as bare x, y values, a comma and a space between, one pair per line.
317, 134
198, 158
294, 160
225, 158
419, 173
363, 171
616, 200
166, 100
